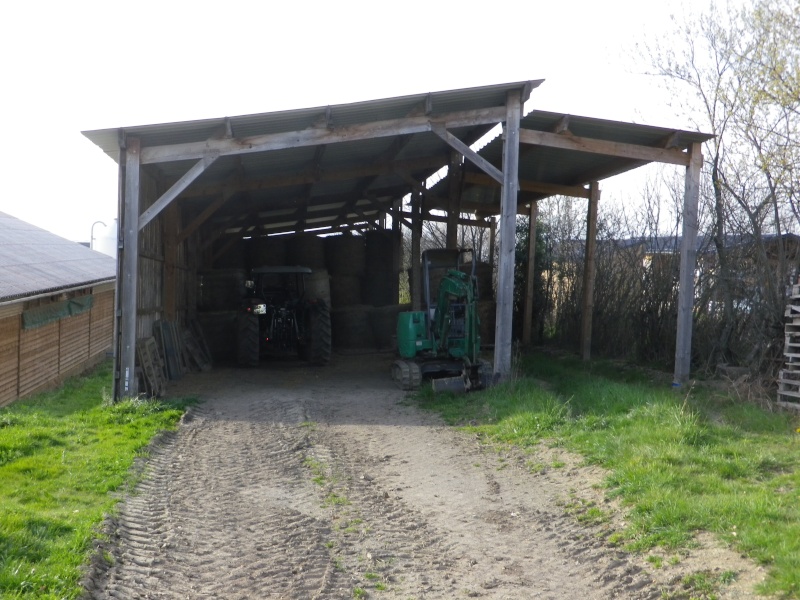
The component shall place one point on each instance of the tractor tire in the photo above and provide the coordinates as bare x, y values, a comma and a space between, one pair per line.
247, 340
318, 351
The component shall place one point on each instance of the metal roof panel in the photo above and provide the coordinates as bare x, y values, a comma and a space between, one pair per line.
34, 261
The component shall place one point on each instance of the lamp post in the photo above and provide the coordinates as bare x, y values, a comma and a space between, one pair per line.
91, 234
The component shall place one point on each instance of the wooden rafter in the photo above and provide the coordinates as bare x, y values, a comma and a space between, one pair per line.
538, 187
319, 135
604, 147
314, 175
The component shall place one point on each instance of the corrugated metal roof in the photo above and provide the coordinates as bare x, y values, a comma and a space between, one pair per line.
341, 183
34, 261
549, 165
346, 178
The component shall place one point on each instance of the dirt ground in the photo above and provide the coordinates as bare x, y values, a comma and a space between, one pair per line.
295, 482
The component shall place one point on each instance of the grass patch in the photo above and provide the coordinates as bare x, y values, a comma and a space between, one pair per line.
681, 462
61, 453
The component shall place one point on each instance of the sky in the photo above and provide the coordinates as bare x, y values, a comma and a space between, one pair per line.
67, 67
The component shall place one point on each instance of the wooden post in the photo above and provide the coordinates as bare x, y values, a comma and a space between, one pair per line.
128, 289
416, 255
527, 328
397, 248
170, 233
683, 340
589, 271
492, 240
454, 199
508, 218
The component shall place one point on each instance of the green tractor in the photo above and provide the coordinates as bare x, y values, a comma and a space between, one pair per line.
278, 319
442, 341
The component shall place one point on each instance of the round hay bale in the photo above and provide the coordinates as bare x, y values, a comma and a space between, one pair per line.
379, 250
379, 289
345, 254
305, 251
318, 286
234, 256
219, 328
345, 290
384, 324
267, 252
487, 313
436, 279
351, 327
483, 273
220, 289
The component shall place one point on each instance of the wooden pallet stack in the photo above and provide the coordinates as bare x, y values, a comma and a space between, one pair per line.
173, 350
789, 377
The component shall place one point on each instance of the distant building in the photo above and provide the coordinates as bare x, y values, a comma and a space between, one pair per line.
56, 308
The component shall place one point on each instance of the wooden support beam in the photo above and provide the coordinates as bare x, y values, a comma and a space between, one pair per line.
172, 193
589, 271
549, 189
441, 219
475, 158
454, 172
683, 340
320, 135
594, 146
208, 211
527, 322
129, 280
492, 240
397, 250
170, 290
315, 175
505, 269
416, 255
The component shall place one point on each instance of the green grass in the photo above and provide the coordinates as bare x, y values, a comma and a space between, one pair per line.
681, 461
61, 454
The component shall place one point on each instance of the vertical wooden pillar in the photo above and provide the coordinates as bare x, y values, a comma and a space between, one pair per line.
508, 217
527, 328
416, 257
117, 327
589, 271
127, 286
492, 236
683, 341
397, 249
170, 233
454, 199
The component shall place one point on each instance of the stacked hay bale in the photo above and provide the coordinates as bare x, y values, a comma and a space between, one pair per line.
267, 251
380, 278
346, 261
232, 254
305, 251
219, 294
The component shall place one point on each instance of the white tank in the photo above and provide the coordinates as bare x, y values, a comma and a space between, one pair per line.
105, 238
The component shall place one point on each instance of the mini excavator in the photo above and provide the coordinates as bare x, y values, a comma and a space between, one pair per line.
442, 342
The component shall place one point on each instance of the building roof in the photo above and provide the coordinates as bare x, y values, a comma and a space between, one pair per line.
34, 261
319, 169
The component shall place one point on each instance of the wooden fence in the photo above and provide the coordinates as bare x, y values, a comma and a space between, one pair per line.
37, 358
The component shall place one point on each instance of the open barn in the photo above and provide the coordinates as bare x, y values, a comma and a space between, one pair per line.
202, 203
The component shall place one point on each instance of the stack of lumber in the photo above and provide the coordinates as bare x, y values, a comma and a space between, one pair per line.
789, 378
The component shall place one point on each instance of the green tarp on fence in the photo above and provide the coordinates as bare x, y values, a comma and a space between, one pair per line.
42, 315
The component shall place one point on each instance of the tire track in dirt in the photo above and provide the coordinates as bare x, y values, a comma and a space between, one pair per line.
292, 482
